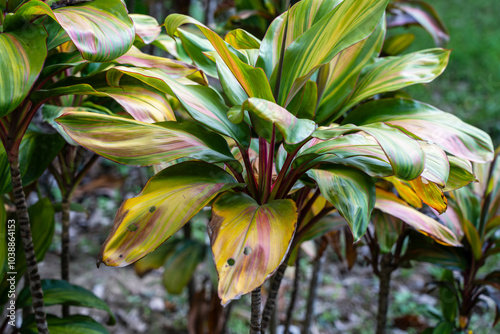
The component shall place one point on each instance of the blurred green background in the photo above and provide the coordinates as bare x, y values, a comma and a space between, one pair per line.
470, 86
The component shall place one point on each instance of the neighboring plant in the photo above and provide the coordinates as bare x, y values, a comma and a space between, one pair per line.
47, 44
474, 215
314, 65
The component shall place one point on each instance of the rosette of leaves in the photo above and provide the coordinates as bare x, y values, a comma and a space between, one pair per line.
289, 117
470, 275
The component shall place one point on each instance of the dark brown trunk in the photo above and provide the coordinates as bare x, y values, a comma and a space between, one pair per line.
273, 294
255, 320
27, 240
293, 296
385, 273
65, 210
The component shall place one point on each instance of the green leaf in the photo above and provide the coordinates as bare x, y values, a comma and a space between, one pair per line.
182, 264
252, 80
60, 292
147, 28
74, 324
407, 164
23, 54
202, 103
141, 144
349, 23
342, 73
461, 173
390, 204
388, 229
393, 73
36, 152
265, 113
396, 44
421, 248
156, 258
167, 202
352, 192
356, 150
249, 241
427, 123
473, 238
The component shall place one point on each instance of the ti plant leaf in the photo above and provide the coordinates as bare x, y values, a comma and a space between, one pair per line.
390, 204
249, 241
167, 202
23, 56
60, 292
141, 144
147, 28
427, 123
351, 191
74, 324
265, 113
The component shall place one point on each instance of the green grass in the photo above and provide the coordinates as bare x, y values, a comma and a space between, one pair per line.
470, 86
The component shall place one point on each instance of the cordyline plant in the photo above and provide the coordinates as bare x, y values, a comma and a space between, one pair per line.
254, 151
465, 283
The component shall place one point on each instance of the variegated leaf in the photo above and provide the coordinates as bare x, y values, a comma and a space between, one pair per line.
167, 202
428, 123
356, 150
23, 55
390, 204
249, 241
252, 80
407, 164
100, 29
347, 24
461, 173
136, 143
425, 15
351, 191
240, 39
147, 28
265, 113
170, 67
396, 44
387, 228
392, 73
343, 71
202, 103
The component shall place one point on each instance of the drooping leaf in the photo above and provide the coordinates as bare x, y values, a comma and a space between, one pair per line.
347, 24
249, 241
426, 16
23, 55
356, 150
167, 202
390, 204
461, 173
147, 28
141, 144
392, 73
202, 103
74, 324
181, 265
265, 113
472, 235
350, 191
428, 123
407, 164
60, 292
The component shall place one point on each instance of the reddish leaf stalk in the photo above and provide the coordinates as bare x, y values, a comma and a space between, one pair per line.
269, 169
262, 165
250, 176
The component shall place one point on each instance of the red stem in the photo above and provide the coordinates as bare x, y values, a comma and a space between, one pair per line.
269, 171
251, 177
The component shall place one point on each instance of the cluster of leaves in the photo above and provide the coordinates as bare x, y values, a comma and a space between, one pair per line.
274, 134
